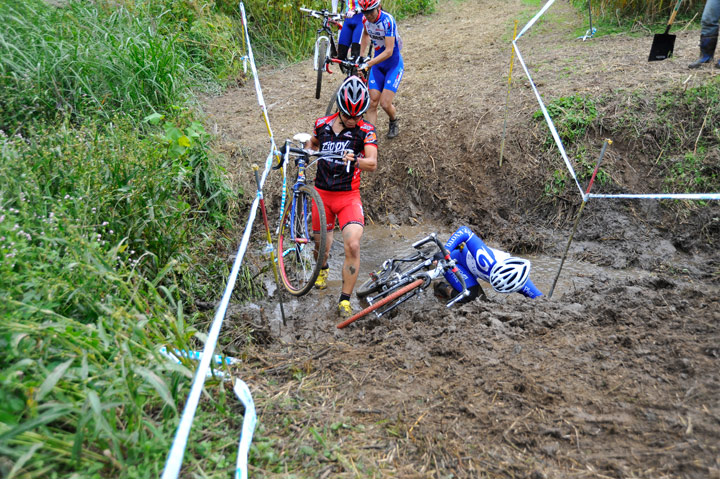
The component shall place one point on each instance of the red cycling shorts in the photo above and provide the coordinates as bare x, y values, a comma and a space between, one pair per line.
345, 206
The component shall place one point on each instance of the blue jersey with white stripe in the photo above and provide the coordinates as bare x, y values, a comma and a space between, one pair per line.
476, 260
384, 26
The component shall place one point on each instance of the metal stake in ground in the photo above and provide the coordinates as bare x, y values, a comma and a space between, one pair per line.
507, 97
577, 218
591, 31
269, 247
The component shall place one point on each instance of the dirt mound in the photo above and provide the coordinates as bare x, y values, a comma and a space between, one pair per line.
615, 376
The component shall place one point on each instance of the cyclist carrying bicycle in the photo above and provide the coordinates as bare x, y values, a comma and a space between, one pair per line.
479, 262
338, 181
386, 66
351, 31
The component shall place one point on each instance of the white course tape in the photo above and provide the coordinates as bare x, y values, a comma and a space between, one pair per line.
535, 19
177, 450
248, 428
662, 196
548, 120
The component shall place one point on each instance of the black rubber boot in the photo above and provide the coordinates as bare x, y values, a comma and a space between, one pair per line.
355, 50
707, 51
342, 55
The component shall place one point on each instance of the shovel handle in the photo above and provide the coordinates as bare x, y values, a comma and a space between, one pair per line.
672, 17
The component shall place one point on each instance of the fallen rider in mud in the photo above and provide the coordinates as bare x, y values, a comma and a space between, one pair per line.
477, 261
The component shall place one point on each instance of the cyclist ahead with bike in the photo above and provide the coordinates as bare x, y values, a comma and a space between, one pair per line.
386, 66
351, 31
479, 262
338, 181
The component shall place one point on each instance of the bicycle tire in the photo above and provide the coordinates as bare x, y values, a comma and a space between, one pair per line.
382, 302
298, 264
369, 287
322, 46
332, 105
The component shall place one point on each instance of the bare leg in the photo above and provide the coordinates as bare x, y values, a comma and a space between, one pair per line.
371, 115
328, 244
386, 102
351, 237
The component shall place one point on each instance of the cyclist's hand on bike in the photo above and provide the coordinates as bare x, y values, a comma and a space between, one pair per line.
363, 65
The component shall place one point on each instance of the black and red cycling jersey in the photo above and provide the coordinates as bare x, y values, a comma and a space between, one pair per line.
332, 174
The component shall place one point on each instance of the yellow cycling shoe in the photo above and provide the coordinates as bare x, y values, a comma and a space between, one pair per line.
321, 281
344, 309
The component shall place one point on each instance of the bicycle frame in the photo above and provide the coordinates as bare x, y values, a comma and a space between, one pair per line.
324, 33
427, 269
300, 180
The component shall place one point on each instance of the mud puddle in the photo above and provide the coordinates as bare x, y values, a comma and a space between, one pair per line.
380, 243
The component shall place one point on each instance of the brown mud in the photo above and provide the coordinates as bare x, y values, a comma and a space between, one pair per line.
617, 375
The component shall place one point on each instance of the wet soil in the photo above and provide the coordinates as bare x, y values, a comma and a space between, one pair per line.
617, 375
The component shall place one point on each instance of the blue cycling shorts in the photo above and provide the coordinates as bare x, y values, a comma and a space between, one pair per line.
386, 75
352, 30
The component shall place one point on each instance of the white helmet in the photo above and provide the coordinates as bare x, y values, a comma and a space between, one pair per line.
510, 274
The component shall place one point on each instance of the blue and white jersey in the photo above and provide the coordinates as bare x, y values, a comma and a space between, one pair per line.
378, 30
476, 260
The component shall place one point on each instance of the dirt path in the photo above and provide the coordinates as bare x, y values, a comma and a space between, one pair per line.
616, 376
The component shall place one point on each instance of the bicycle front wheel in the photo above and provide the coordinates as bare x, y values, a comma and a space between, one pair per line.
391, 297
371, 286
299, 263
322, 47
332, 105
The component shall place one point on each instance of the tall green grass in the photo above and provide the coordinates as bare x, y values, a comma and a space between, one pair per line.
110, 201
81, 60
636, 10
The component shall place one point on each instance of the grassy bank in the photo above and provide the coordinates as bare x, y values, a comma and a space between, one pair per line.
683, 126
110, 201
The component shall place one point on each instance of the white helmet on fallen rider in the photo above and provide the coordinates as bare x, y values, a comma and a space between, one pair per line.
510, 274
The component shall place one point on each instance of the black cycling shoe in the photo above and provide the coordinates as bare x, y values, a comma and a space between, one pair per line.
444, 291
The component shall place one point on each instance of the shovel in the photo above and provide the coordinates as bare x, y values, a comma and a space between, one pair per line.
663, 43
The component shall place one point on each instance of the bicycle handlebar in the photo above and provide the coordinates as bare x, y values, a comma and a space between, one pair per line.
309, 152
322, 14
345, 63
449, 263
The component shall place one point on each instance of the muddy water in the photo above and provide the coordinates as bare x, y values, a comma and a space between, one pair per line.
383, 242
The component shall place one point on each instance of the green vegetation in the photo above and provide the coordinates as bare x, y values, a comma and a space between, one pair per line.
635, 16
638, 9
683, 124
110, 200
572, 116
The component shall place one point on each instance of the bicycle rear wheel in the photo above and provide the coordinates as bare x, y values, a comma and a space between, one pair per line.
391, 297
322, 47
299, 264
